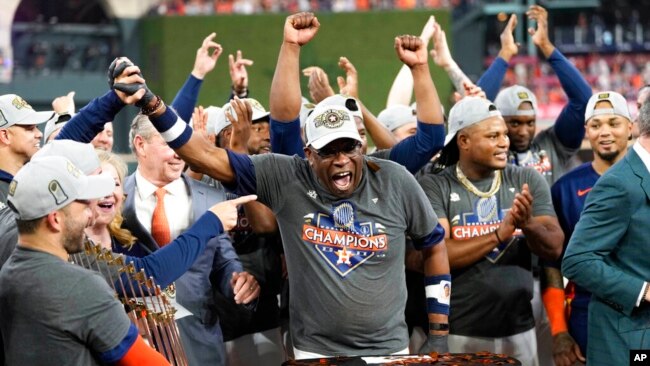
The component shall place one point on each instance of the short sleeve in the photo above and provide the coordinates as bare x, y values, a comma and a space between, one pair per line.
422, 220
98, 319
432, 188
274, 173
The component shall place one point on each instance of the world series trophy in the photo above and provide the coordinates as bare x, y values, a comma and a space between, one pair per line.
145, 303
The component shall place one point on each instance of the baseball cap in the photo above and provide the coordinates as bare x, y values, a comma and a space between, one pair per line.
509, 99
396, 116
328, 123
305, 109
50, 183
83, 156
14, 110
216, 119
467, 112
52, 125
344, 101
618, 102
258, 110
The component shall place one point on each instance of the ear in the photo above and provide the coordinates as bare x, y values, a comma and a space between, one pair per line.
309, 155
4, 136
138, 144
54, 221
463, 141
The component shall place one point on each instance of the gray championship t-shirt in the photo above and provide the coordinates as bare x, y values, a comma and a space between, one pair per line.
490, 298
547, 155
56, 313
345, 257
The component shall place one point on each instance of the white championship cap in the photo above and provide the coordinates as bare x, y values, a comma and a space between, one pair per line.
328, 123
14, 110
50, 183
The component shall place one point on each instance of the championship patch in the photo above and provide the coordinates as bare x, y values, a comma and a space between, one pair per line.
20, 103
331, 118
12, 187
57, 192
522, 95
603, 96
341, 240
485, 218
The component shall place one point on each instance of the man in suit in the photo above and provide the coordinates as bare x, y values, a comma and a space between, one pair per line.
183, 200
607, 255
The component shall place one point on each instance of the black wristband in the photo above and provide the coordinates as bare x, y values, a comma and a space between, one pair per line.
439, 326
497, 235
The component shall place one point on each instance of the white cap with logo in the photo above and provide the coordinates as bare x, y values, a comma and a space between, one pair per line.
47, 184
346, 101
509, 99
14, 110
618, 102
82, 155
328, 123
469, 111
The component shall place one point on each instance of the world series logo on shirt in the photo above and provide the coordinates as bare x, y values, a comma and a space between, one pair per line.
341, 240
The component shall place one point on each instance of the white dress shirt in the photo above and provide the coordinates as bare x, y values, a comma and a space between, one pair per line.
178, 204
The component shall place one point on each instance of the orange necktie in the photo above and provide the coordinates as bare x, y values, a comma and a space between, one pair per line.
159, 224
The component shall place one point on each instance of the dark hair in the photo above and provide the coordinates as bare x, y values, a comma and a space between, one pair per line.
449, 156
27, 226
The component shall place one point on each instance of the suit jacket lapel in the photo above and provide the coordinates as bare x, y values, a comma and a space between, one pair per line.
640, 170
131, 221
197, 197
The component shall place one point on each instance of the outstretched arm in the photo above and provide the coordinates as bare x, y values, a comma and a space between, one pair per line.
492, 79
285, 97
402, 88
569, 126
205, 61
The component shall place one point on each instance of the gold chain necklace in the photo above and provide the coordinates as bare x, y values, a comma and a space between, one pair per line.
496, 183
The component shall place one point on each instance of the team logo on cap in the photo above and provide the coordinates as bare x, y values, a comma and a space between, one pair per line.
20, 103
255, 104
603, 96
331, 118
522, 95
57, 192
12, 187
73, 170
343, 242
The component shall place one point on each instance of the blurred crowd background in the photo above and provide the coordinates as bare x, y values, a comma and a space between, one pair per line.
608, 40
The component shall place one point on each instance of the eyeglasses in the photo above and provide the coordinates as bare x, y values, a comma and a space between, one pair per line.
349, 149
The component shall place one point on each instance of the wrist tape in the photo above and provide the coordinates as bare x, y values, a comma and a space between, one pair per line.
438, 293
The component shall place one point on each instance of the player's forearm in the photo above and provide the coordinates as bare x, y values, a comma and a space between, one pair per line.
464, 253
544, 239
402, 89
436, 265
379, 134
261, 218
285, 96
457, 77
426, 96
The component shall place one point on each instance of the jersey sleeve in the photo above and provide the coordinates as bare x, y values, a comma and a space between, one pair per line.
285, 137
96, 317
422, 222
274, 173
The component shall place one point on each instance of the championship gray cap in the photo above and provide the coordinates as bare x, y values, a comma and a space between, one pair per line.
467, 112
47, 184
509, 99
618, 102
83, 156
397, 116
